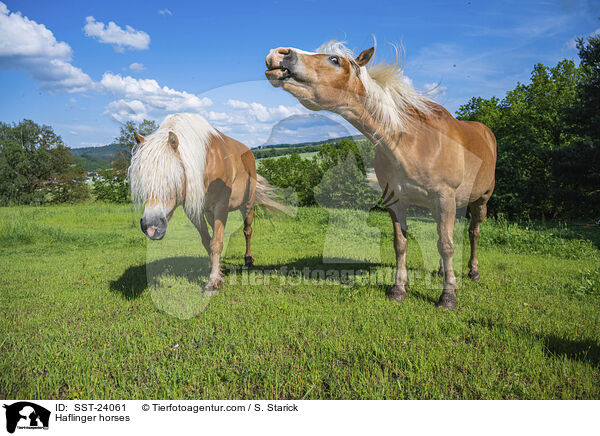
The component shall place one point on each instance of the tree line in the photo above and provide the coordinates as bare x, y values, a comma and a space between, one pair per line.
548, 135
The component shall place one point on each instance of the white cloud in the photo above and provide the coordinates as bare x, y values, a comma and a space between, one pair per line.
119, 38
262, 113
27, 45
73, 132
137, 67
143, 95
165, 11
218, 116
72, 100
408, 81
127, 110
149, 91
434, 90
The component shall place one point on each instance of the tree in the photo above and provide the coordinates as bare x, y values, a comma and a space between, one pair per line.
577, 168
36, 166
127, 140
344, 186
113, 185
68, 181
530, 127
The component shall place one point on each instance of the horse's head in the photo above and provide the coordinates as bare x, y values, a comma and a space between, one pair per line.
157, 181
319, 81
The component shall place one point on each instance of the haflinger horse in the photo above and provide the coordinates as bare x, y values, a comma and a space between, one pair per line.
186, 161
424, 156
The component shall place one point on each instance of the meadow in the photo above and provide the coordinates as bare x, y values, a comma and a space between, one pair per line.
89, 309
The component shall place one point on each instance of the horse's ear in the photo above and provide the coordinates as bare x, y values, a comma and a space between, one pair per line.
173, 141
138, 138
364, 58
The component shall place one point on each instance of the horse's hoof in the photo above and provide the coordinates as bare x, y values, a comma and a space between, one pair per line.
248, 261
397, 293
447, 301
213, 286
474, 275
209, 291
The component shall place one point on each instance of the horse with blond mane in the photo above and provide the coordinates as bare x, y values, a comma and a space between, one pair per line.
188, 162
424, 156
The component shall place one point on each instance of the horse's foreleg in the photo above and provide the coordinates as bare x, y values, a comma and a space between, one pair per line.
398, 291
445, 214
478, 211
216, 278
204, 234
248, 261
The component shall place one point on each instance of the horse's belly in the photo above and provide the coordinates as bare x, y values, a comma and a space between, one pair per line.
408, 194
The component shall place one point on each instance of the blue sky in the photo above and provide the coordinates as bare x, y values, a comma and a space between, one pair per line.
64, 64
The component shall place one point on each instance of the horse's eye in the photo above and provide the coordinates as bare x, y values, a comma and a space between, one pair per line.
334, 60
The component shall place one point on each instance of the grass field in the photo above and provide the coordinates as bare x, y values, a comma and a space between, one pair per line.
90, 309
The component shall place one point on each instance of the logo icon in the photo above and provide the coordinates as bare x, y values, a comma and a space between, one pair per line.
24, 414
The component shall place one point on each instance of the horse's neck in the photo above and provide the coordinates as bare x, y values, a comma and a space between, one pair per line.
388, 139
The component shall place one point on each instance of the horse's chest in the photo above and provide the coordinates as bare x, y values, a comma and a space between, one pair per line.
411, 193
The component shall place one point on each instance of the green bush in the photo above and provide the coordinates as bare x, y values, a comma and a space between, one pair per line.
112, 186
344, 186
334, 178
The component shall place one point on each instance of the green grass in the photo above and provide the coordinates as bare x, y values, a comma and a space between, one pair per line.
90, 309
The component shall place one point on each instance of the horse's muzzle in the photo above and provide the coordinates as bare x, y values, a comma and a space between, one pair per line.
155, 229
280, 62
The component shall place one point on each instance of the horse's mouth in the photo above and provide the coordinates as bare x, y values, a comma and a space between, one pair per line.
277, 75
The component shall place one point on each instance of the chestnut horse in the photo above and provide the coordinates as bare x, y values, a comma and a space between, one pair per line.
424, 156
188, 162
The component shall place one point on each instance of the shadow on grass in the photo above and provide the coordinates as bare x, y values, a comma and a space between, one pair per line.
315, 263
134, 281
581, 350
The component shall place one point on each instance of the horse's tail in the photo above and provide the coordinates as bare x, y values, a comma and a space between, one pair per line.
266, 197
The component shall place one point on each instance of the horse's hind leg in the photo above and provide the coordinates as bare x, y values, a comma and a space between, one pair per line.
248, 261
478, 211
445, 214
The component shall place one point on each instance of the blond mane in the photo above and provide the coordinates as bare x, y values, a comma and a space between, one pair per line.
390, 98
156, 171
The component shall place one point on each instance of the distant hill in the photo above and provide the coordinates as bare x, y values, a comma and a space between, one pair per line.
307, 144
307, 149
95, 158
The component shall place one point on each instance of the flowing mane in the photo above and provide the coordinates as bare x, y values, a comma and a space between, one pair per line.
390, 97
156, 170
